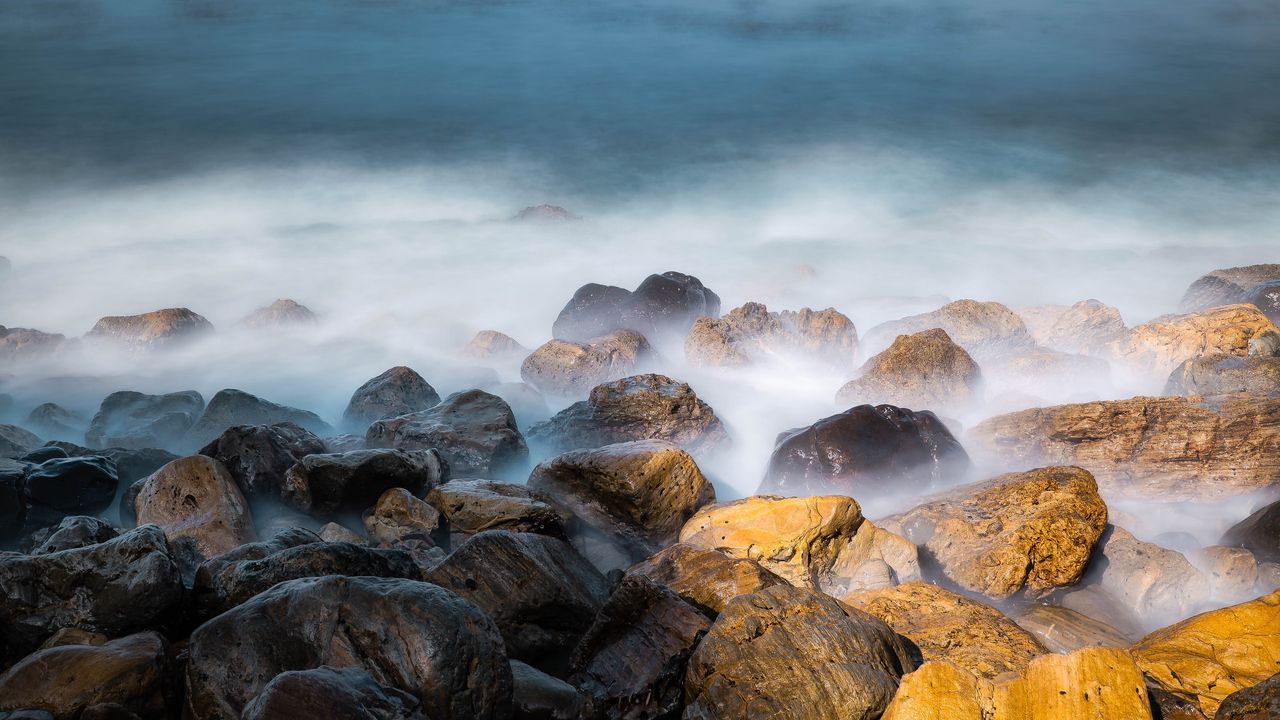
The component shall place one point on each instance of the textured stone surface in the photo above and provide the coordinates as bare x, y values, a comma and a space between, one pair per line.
1258, 702
398, 517
494, 345
467, 507
1159, 346
1223, 374
398, 391
229, 408
16, 442
136, 420
1258, 533
67, 486
1062, 630
1086, 328
474, 431
258, 456
333, 693
1226, 286
1156, 584
1096, 683
324, 485
707, 579
195, 497
983, 329
752, 334
159, 328
940, 690
926, 371
131, 672
571, 369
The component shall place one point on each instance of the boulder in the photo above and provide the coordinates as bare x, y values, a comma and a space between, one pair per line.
983, 329
160, 328
1265, 344
67, 486
526, 402
407, 635
706, 579
1224, 374
25, 344
1259, 533
1226, 286
751, 333
940, 690
632, 498
334, 693
1085, 328
131, 673
925, 370
467, 507
327, 484
1101, 683
631, 661
474, 431
280, 314
258, 456
135, 582
1173, 449
54, 421
12, 506
541, 593
333, 532
1063, 630
538, 696
1266, 297
544, 213
564, 368
1257, 702
398, 391
641, 407
1156, 584
195, 497
229, 408
865, 449
136, 420
594, 310
664, 306
48, 451
1161, 345
947, 626
399, 518
1231, 572
1024, 533
16, 442
1209, 656
792, 653
75, 531
496, 346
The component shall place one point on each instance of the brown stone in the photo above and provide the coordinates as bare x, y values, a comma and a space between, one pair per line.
924, 371
1063, 630
564, 368
706, 578
153, 329
131, 672
984, 329
1226, 286
399, 517
1159, 346
195, 497
1224, 374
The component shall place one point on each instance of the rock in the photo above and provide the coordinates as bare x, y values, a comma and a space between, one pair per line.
1266, 297
526, 402
706, 579
641, 407
398, 517
1226, 286
41, 454
1037, 369
792, 653
335, 693
1062, 630
863, 449
633, 498
474, 431
344, 443
1161, 345
258, 456
135, 420
398, 391
411, 636
545, 213
631, 662
76, 531
667, 304
131, 672
161, 328
135, 586
594, 310
493, 345
25, 344
1174, 449
55, 421
16, 442
1156, 584
74, 636
1223, 374
1100, 683
71, 486
324, 485
468, 507
279, 314
1167, 706
234, 577
12, 506
983, 329
752, 333
538, 696
230, 408
1020, 533
540, 592
1209, 656
195, 497
1085, 328
947, 626
1258, 702
333, 532
560, 367
1265, 344
1231, 572
939, 690
925, 370
1259, 533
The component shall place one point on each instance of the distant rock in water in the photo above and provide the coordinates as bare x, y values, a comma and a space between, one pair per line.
18, 344
135, 420
236, 407
925, 370
560, 367
54, 421
398, 391
493, 345
984, 329
545, 213
751, 333
279, 314
161, 328
1227, 286
663, 306
1086, 327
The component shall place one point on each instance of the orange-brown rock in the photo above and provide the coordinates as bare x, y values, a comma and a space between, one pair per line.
1094, 683
153, 329
562, 367
493, 345
195, 497
1159, 346
130, 672
751, 333
1224, 374
984, 329
1085, 328
1062, 630
706, 578
925, 371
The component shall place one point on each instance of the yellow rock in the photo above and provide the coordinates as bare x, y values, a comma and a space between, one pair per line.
1160, 346
1088, 684
939, 690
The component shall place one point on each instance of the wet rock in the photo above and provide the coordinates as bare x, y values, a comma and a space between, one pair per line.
1161, 345
561, 367
26, 345
1020, 533
283, 313
865, 449
1265, 344
54, 421
493, 345
1226, 286
136, 420
135, 586
1259, 533
642, 407
632, 498
131, 672
68, 486
793, 653
666, 305
76, 531
1223, 374
541, 593
474, 431
407, 635
1062, 630
399, 518
1154, 583
16, 442
324, 485
398, 391
706, 579
631, 662
229, 408
1209, 656
594, 310
333, 532
12, 506
925, 370
1173, 449
1258, 702
538, 696
334, 693
1231, 572
41, 454
258, 456
1085, 328
983, 329
947, 626
1266, 297
468, 507
344, 443
751, 333
195, 497
1167, 706
160, 328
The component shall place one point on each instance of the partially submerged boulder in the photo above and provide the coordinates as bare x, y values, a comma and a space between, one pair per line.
16, 441
1226, 286
983, 329
1224, 374
1063, 630
229, 408
474, 431
561, 367
283, 313
751, 334
131, 673
468, 507
493, 345
258, 456
925, 370
130, 419
398, 391
160, 328
67, 486
662, 306
1156, 584
1085, 328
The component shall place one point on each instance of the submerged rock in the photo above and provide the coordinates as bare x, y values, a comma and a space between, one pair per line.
136, 420
493, 345
1154, 583
279, 314
230, 408
751, 333
160, 328
560, 367
398, 391
661, 307
26, 344
593, 311
1224, 374
925, 370
1085, 328
474, 431
54, 421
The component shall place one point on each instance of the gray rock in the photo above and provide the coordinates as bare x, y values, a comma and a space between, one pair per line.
229, 408
474, 431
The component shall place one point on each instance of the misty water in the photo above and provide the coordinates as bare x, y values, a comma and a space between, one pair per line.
365, 158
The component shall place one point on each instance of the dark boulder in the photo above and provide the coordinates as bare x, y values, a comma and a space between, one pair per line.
398, 391
258, 456
664, 306
75, 531
229, 408
135, 420
1226, 286
538, 696
1257, 702
865, 448
12, 506
47, 452
327, 484
131, 673
475, 431
1266, 297
69, 486
594, 310
408, 635
54, 421
1259, 533
334, 694
467, 507
16, 441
